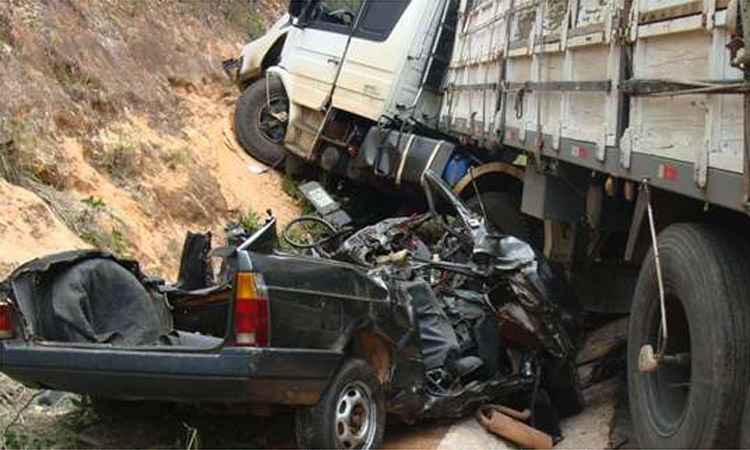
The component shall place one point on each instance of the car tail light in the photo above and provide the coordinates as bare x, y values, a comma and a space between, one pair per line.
251, 313
6, 321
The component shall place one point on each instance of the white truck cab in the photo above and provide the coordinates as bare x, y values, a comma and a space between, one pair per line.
374, 73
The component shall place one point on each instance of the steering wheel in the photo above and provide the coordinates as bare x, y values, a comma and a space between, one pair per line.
313, 233
344, 15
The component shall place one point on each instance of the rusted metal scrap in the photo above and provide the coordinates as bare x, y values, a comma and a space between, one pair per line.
509, 424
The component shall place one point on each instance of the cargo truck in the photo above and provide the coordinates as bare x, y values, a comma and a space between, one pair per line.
611, 133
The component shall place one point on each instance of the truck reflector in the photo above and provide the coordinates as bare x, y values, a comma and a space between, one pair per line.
6, 322
579, 152
251, 311
668, 172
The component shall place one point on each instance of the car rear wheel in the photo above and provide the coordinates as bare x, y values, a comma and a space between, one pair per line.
349, 415
260, 125
693, 400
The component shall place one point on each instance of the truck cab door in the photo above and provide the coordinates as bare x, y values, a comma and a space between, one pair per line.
387, 55
314, 50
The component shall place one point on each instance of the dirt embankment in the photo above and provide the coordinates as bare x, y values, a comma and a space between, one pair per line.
115, 133
114, 126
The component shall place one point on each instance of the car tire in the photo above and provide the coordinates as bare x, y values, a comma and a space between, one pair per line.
698, 404
353, 392
251, 110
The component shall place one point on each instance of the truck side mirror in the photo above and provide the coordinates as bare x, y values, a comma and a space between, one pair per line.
296, 8
300, 9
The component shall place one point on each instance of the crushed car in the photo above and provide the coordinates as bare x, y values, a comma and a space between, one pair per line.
430, 315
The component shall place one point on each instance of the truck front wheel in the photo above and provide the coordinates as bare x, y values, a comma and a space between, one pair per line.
350, 413
260, 125
694, 397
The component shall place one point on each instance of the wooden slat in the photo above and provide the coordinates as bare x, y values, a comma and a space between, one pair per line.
646, 87
521, 43
555, 37
588, 29
676, 11
552, 38
569, 86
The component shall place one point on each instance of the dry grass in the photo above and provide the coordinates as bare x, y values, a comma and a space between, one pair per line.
11, 168
121, 159
89, 218
198, 201
251, 221
176, 158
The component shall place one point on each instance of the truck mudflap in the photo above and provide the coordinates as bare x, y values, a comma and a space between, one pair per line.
230, 375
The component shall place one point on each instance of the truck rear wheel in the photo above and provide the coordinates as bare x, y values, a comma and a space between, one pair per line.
696, 403
260, 127
745, 425
350, 413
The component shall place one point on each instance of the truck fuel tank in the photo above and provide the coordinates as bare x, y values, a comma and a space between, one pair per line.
403, 158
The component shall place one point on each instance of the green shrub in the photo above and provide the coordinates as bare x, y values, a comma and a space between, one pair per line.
251, 221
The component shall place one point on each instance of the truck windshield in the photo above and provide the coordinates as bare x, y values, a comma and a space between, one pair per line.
342, 12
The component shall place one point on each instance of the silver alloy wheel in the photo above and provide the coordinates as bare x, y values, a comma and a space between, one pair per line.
356, 417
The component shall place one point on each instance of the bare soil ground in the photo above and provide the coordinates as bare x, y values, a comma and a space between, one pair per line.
198, 181
143, 206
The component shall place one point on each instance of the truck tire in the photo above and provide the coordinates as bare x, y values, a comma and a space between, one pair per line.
698, 404
350, 414
745, 425
259, 133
